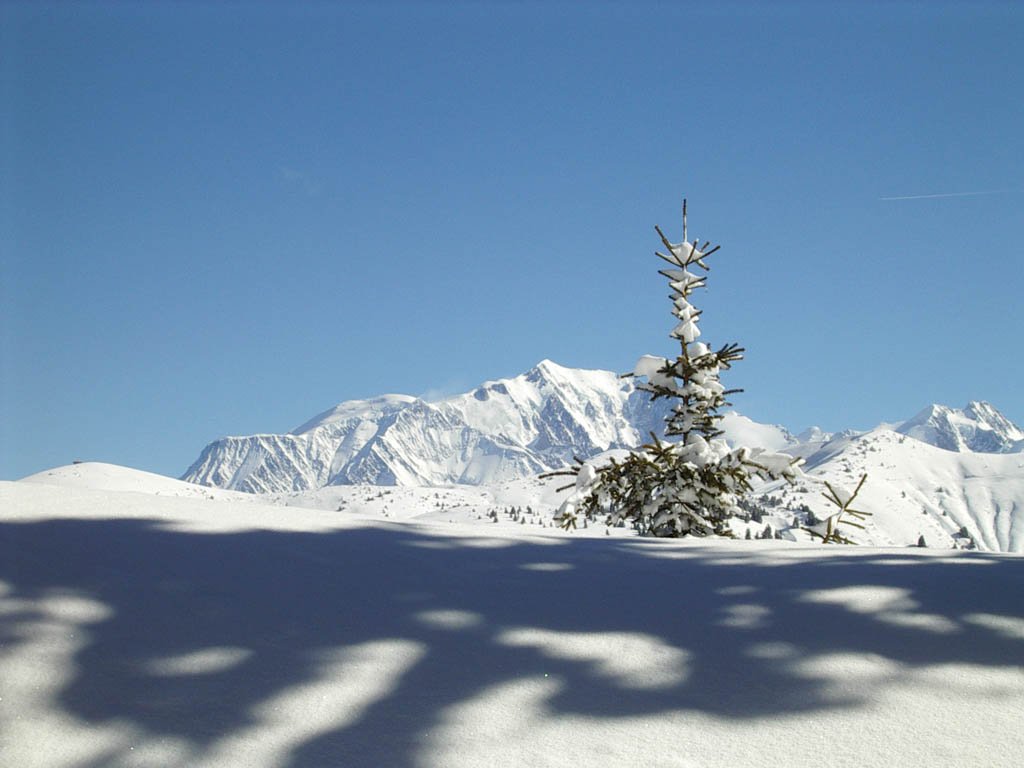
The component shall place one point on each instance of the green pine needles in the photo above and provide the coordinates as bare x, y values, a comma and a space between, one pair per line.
691, 482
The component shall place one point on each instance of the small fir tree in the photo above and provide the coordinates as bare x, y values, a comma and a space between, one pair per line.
828, 529
690, 483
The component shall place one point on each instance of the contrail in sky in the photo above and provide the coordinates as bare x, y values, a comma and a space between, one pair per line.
945, 194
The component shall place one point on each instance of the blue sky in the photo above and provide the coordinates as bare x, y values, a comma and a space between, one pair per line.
224, 218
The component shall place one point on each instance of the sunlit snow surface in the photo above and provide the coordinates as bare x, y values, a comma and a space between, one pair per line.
150, 625
914, 489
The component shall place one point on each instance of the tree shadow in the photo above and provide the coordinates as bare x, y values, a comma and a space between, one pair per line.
731, 626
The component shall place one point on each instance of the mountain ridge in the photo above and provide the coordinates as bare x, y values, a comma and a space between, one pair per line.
524, 425
503, 429
978, 427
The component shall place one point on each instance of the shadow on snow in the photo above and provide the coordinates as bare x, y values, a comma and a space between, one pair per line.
288, 597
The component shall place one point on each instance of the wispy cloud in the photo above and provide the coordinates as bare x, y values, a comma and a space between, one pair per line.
943, 194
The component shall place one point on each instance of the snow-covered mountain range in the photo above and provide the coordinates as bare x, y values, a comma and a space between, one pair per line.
500, 431
979, 427
953, 476
522, 426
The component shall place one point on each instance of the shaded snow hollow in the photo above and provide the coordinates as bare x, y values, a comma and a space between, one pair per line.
172, 630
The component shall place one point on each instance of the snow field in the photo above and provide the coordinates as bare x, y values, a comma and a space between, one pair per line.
154, 630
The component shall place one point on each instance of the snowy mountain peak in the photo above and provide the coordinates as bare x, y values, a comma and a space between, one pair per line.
501, 430
986, 413
546, 365
549, 372
978, 427
814, 435
376, 406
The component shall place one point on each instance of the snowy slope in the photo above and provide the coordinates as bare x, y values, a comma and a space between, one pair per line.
741, 430
111, 477
914, 489
144, 630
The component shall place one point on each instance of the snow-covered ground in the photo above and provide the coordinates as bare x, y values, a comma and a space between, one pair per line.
143, 623
915, 490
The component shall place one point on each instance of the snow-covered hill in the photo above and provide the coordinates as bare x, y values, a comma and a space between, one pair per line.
960, 499
99, 476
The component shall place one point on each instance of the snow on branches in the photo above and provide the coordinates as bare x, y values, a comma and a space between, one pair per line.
690, 485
